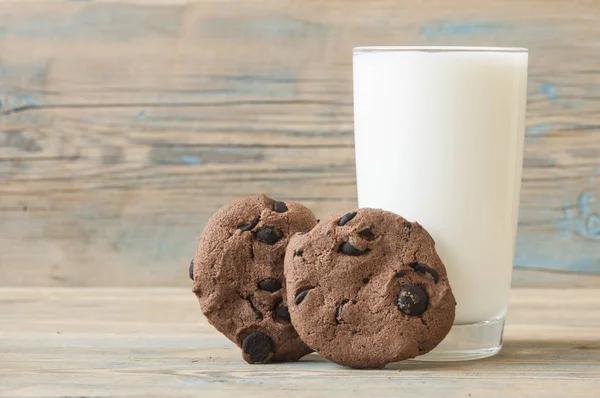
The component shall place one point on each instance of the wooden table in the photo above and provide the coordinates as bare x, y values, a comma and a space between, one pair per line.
155, 342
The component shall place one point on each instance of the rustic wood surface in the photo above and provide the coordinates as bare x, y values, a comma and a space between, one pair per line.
57, 342
522, 277
124, 125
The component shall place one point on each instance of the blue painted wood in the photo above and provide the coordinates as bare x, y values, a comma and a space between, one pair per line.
123, 126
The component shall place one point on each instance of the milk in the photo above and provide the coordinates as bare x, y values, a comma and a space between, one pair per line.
439, 140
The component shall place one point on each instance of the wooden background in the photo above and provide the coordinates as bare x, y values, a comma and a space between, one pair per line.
124, 125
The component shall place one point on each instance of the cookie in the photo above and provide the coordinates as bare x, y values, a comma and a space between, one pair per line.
238, 275
367, 288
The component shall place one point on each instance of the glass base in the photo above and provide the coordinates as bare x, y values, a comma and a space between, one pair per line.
468, 342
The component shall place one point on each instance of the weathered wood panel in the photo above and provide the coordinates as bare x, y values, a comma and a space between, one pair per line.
123, 126
60, 342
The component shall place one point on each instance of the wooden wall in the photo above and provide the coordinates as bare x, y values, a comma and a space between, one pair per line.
124, 125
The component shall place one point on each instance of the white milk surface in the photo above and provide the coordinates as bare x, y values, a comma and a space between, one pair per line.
439, 140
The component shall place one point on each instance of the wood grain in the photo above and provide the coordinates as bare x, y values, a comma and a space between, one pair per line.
155, 342
531, 277
124, 126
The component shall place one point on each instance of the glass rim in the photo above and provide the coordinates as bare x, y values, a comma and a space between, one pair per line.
437, 49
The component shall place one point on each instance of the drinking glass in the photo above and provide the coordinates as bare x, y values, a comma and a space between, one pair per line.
439, 140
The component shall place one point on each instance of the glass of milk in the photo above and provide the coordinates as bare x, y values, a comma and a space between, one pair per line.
439, 140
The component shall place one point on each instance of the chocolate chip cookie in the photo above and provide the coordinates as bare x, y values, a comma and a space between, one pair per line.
367, 288
238, 275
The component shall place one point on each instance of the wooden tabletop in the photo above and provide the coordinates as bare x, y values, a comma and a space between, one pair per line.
155, 342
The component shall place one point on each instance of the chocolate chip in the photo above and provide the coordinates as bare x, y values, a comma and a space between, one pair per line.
257, 313
350, 250
345, 218
257, 347
191, 270
407, 224
425, 269
298, 252
301, 295
269, 285
281, 313
400, 274
249, 226
413, 300
268, 235
280, 207
338, 312
367, 234
365, 280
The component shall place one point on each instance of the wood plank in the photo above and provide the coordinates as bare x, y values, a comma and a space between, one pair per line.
530, 277
155, 342
123, 126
